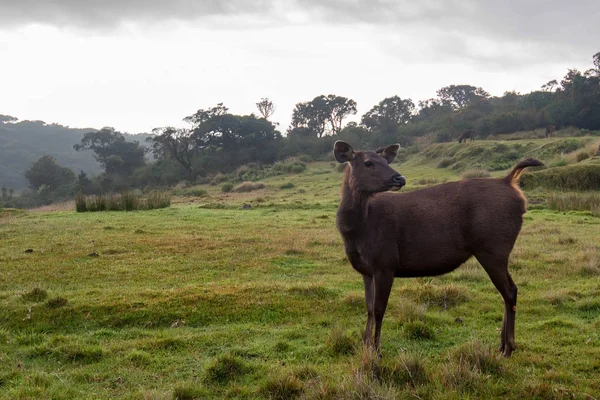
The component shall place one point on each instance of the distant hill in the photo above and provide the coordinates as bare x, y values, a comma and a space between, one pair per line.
22, 142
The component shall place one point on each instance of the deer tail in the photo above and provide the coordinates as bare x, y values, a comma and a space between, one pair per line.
515, 174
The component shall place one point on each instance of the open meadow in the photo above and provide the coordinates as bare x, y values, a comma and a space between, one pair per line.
207, 300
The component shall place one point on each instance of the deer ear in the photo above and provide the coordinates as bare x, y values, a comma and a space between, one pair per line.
342, 151
390, 152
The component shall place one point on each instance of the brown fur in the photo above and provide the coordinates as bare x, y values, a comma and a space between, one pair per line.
550, 129
427, 232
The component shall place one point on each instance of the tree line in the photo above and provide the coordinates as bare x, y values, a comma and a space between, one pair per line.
216, 140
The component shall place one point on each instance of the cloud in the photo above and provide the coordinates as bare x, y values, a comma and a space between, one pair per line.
489, 32
110, 13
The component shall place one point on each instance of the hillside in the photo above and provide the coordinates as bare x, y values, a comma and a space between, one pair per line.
207, 300
23, 142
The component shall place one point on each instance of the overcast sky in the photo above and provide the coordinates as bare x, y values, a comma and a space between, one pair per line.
140, 64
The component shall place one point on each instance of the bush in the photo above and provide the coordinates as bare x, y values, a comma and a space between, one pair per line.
248, 187
575, 202
446, 162
584, 176
582, 155
192, 192
297, 169
305, 158
288, 185
227, 187
127, 201
475, 173
218, 178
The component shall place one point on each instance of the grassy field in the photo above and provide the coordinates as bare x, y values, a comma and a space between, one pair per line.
206, 300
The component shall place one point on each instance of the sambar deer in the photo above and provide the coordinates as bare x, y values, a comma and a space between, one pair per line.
550, 129
469, 134
427, 232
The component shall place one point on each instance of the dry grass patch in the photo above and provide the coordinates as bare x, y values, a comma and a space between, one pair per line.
248, 187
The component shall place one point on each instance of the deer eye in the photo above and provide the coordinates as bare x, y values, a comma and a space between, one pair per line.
368, 164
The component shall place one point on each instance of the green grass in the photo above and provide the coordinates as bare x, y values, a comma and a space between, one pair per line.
203, 300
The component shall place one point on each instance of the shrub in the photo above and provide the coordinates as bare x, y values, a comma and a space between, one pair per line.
227, 187
127, 201
305, 158
297, 169
195, 192
575, 202
80, 203
475, 173
582, 155
157, 199
584, 176
288, 185
248, 187
446, 162
218, 178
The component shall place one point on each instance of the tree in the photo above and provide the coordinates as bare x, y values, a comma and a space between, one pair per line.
460, 96
179, 144
549, 86
311, 115
47, 172
266, 107
339, 108
201, 116
112, 151
433, 108
7, 118
322, 111
389, 114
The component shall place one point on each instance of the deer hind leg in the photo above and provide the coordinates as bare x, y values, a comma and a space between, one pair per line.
497, 269
370, 302
383, 287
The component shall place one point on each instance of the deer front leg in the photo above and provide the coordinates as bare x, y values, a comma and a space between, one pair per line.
369, 300
383, 286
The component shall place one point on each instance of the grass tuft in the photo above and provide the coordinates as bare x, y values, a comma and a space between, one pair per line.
475, 173
56, 302
340, 343
225, 368
189, 392
35, 295
284, 387
418, 330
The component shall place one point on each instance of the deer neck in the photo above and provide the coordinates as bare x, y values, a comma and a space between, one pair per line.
353, 210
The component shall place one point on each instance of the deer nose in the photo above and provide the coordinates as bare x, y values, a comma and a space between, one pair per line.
399, 180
